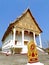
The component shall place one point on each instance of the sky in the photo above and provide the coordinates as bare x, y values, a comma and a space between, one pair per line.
11, 9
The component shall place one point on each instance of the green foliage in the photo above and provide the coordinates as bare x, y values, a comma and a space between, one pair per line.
47, 50
0, 49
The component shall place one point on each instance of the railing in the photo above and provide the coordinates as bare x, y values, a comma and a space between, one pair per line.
7, 44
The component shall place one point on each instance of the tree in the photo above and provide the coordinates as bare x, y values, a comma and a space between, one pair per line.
48, 44
47, 49
0, 49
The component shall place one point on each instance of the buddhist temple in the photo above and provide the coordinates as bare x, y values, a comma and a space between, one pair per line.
20, 32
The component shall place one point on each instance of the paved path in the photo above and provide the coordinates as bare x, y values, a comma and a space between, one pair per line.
19, 59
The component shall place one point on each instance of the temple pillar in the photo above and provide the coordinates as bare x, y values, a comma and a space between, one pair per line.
40, 40
14, 35
22, 37
23, 48
34, 38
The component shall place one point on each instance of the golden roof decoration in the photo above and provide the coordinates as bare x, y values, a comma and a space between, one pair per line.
11, 25
32, 52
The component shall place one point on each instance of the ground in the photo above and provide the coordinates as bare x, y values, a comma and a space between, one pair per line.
19, 59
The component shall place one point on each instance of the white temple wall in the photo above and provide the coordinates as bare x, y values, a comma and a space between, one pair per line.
9, 37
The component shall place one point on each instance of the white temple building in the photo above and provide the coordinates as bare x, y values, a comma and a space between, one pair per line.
20, 32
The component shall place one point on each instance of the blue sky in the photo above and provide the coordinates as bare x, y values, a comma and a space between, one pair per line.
11, 9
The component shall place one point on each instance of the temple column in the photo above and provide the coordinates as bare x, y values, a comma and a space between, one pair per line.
40, 40
22, 42
22, 37
34, 38
14, 34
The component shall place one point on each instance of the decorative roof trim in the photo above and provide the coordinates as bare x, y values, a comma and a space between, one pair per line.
11, 24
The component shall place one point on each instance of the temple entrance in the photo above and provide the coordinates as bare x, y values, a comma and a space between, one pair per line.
18, 50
